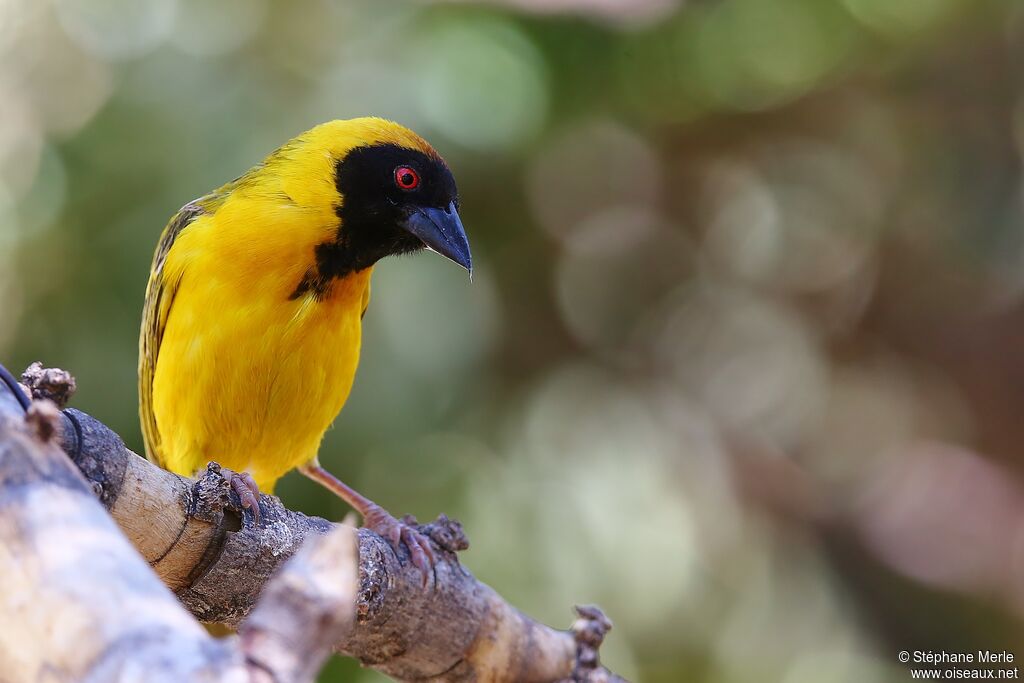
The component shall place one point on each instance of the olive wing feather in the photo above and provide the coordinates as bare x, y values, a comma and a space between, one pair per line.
160, 293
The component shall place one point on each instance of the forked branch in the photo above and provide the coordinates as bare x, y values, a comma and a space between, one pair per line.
217, 560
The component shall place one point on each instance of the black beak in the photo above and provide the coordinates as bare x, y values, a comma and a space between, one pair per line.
441, 231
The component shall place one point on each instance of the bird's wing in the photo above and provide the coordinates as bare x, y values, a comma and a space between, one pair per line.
159, 298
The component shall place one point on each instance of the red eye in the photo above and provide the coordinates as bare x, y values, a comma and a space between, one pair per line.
406, 178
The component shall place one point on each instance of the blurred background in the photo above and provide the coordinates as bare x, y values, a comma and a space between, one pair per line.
741, 361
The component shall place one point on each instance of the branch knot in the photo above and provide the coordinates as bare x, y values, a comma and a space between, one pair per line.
589, 630
49, 383
211, 494
447, 533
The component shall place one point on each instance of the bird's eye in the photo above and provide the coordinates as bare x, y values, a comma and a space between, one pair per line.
406, 178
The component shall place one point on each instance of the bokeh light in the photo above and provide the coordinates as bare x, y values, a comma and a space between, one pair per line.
740, 357
482, 84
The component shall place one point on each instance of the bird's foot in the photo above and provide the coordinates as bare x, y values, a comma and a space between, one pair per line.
378, 520
402, 532
244, 485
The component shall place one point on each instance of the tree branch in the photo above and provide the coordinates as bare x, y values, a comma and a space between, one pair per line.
217, 560
80, 604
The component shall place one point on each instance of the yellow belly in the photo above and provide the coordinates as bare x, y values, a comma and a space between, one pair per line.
253, 381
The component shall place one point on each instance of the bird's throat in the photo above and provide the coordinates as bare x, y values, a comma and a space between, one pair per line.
333, 260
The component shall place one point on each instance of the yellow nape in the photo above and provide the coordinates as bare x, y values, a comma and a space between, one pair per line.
304, 167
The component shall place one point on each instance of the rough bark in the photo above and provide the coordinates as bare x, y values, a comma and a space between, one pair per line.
79, 603
217, 560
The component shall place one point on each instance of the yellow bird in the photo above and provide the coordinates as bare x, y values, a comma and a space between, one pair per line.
253, 315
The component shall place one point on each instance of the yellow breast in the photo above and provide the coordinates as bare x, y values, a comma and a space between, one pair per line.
246, 375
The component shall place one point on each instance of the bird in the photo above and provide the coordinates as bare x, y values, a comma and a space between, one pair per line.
252, 322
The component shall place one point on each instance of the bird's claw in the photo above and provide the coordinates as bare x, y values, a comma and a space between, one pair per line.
244, 485
404, 532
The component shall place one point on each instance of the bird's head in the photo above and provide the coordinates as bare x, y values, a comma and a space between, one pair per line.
391, 191
398, 198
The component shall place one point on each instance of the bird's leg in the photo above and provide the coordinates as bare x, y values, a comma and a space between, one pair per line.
244, 485
377, 519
